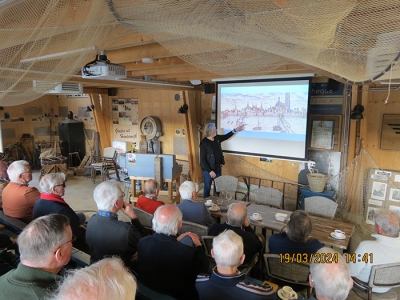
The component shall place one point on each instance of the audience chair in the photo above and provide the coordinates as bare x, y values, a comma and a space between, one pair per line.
269, 196
295, 273
207, 241
227, 183
198, 229
320, 206
144, 217
385, 275
105, 164
145, 293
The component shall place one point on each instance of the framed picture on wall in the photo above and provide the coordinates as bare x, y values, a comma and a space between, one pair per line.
324, 132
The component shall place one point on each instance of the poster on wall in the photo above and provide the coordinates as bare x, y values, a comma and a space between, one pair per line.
125, 120
322, 134
125, 111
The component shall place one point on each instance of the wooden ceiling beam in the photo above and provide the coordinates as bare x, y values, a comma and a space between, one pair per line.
127, 55
158, 63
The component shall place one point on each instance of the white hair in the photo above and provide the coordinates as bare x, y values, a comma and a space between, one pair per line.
15, 169
388, 221
228, 249
104, 280
39, 239
106, 194
49, 180
331, 280
166, 219
186, 189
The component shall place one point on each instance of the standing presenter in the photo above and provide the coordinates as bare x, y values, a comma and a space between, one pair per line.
211, 157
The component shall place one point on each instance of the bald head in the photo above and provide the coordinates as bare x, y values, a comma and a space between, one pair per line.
167, 219
151, 187
3, 170
236, 214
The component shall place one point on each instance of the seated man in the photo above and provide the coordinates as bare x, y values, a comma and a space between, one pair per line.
331, 281
239, 223
106, 279
193, 211
166, 265
384, 250
296, 236
227, 282
18, 197
4, 180
45, 246
105, 235
52, 186
149, 202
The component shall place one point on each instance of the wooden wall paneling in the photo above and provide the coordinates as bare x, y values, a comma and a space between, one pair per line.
373, 113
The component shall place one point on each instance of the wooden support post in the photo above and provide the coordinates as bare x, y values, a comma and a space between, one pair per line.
100, 121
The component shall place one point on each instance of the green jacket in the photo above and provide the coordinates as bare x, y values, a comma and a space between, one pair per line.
27, 283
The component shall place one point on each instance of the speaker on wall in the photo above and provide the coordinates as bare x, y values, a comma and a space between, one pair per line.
332, 85
209, 88
112, 92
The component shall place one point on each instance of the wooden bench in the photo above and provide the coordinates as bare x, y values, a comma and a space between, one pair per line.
15, 225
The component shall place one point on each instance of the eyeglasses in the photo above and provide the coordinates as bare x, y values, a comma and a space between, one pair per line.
30, 171
122, 196
63, 184
70, 241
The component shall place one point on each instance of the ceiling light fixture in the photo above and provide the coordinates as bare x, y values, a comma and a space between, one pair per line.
195, 82
147, 60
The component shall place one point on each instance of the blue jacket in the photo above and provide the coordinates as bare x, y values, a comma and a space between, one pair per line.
195, 212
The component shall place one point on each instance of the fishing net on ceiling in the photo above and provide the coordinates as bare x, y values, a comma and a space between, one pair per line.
364, 188
49, 41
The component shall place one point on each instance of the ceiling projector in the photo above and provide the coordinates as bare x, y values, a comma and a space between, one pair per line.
102, 68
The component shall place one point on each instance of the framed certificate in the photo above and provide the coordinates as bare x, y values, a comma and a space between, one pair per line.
324, 132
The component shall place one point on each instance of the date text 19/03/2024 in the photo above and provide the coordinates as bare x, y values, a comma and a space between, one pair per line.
324, 258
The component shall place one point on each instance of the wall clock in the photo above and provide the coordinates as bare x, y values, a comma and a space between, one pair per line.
150, 127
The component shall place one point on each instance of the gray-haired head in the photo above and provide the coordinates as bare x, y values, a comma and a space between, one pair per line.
299, 226
15, 169
389, 222
237, 212
104, 280
330, 280
38, 241
228, 249
187, 189
50, 180
106, 194
167, 219
151, 186
208, 129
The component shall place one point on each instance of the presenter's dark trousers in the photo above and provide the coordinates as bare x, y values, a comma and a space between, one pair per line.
208, 180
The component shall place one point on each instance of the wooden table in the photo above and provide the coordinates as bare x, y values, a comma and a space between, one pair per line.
322, 227
222, 212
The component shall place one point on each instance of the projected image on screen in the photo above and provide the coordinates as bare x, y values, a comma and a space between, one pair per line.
274, 114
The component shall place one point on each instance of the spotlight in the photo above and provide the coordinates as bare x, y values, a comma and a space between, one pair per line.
183, 109
356, 113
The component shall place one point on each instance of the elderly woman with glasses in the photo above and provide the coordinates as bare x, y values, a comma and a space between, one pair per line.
52, 187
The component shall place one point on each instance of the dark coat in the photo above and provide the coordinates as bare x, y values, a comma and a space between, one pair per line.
170, 267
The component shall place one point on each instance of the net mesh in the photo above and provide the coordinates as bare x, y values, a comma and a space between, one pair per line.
50, 40
360, 192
